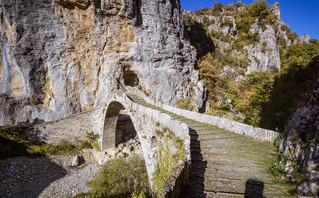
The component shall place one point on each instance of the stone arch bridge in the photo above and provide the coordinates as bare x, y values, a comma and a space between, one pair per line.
148, 122
221, 160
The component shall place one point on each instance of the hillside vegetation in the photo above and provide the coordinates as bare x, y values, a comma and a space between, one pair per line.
256, 69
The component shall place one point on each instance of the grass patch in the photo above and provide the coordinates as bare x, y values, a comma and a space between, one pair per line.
167, 160
14, 143
120, 177
278, 171
164, 167
171, 150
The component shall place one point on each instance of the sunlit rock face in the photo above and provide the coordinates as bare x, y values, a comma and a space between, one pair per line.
66, 56
262, 55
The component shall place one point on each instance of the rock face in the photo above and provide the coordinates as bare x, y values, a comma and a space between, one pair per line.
302, 145
264, 55
66, 56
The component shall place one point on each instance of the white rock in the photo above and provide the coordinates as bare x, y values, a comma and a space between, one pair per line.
113, 152
75, 161
128, 150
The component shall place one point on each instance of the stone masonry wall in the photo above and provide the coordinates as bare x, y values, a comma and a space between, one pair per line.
236, 127
177, 181
69, 130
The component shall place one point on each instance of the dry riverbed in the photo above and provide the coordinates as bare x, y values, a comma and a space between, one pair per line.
57, 175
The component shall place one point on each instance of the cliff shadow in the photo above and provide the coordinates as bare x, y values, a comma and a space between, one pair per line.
195, 185
199, 39
23, 173
27, 176
14, 141
289, 92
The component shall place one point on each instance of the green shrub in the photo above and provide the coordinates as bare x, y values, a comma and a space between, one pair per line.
207, 22
230, 8
259, 9
271, 19
226, 22
121, 177
292, 36
92, 140
246, 18
203, 11
138, 195
217, 9
285, 27
187, 104
283, 42
314, 41
225, 107
14, 134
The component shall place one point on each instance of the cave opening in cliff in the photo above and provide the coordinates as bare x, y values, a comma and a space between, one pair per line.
118, 126
130, 78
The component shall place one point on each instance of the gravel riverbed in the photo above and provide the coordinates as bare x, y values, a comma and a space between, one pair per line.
56, 175
44, 177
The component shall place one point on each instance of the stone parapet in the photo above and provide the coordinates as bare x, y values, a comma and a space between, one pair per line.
233, 126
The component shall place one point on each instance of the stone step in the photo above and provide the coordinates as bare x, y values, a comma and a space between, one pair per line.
218, 136
220, 161
241, 153
234, 174
222, 185
206, 131
214, 143
242, 187
252, 146
222, 195
234, 144
211, 135
225, 137
239, 169
224, 141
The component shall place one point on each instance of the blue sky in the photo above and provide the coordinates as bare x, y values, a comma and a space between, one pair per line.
301, 16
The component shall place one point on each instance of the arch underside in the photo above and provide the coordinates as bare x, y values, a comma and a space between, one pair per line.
118, 126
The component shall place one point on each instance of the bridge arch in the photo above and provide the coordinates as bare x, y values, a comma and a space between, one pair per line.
153, 128
113, 133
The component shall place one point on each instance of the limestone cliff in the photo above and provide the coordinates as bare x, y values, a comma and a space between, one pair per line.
66, 56
300, 147
255, 39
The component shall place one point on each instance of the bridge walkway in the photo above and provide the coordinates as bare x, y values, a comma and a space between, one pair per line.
226, 164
